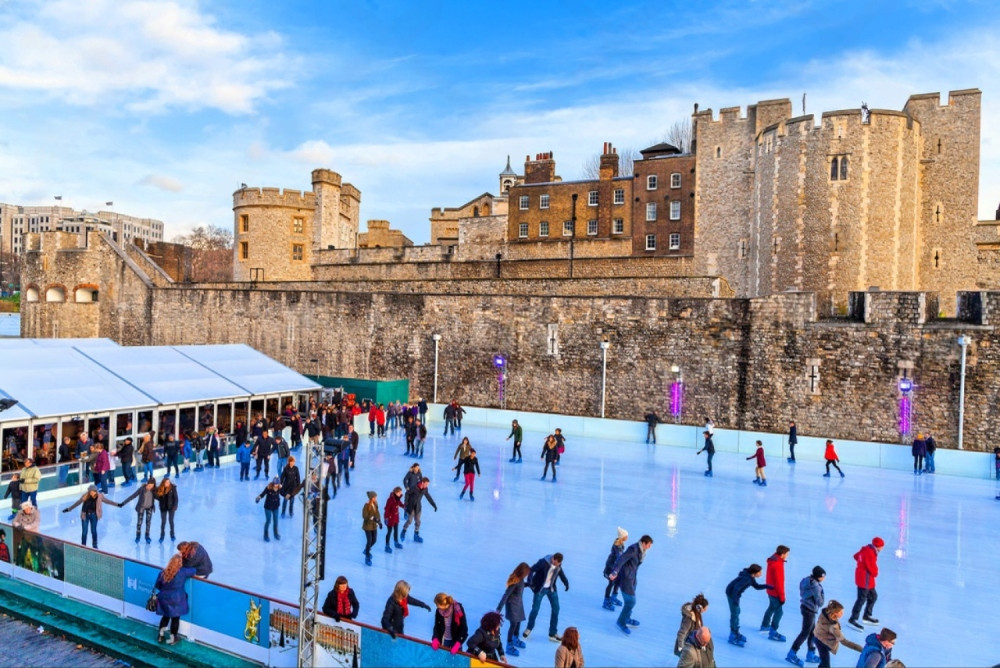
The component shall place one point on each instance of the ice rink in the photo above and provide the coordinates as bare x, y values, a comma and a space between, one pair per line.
937, 586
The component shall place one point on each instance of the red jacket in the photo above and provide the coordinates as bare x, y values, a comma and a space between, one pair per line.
776, 576
391, 513
759, 455
831, 454
380, 417
867, 567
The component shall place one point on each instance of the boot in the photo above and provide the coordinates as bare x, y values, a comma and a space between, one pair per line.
608, 605
763, 483
841, 474
775, 636
267, 539
512, 651
826, 475
368, 561
388, 550
148, 539
462, 495
162, 636
812, 657
399, 546
417, 538
171, 639
402, 537
741, 636
616, 600
471, 497
793, 659
734, 639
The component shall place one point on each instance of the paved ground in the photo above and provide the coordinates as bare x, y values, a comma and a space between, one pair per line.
23, 645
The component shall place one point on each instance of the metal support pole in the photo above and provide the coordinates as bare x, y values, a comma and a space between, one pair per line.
437, 340
964, 342
312, 554
604, 374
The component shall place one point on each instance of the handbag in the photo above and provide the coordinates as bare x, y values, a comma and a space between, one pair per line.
151, 602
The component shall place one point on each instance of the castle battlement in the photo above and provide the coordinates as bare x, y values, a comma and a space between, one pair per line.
349, 191
281, 197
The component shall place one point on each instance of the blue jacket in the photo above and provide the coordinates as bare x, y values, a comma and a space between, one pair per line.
243, 454
616, 553
811, 594
172, 600
626, 569
873, 655
740, 584
536, 578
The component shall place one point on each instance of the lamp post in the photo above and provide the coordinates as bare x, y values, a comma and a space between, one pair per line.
677, 394
905, 408
964, 342
604, 372
500, 363
437, 340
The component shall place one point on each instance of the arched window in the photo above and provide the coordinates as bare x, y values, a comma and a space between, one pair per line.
843, 168
85, 294
834, 169
31, 294
56, 293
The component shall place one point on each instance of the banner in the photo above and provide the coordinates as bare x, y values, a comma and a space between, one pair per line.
38, 554
97, 572
230, 612
382, 650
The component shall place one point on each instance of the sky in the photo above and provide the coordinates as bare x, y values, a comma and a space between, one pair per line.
166, 107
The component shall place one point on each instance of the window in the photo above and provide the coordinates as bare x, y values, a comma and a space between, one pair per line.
298, 225
244, 223
524, 202
543, 229
592, 198
675, 180
244, 250
675, 241
522, 230
543, 202
651, 242
675, 211
651, 211
651, 182
838, 168
568, 228
618, 227
619, 195
592, 227
718, 151
297, 252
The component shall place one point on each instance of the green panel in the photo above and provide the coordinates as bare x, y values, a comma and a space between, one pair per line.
381, 391
98, 572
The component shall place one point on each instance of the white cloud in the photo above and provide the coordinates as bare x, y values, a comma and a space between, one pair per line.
162, 182
147, 56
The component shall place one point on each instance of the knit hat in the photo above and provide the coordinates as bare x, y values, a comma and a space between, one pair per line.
26, 504
92, 488
276, 480
818, 572
622, 534
371, 494
878, 542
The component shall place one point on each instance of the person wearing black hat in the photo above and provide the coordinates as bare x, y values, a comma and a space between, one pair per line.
811, 600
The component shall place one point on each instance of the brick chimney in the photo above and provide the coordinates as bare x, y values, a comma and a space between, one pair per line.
609, 162
540, 170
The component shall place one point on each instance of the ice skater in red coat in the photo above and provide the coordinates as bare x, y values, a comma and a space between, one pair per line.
761, 463
775, 594
391, 517
831, 459
865, 573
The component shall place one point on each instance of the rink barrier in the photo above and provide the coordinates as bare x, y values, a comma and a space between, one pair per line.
891, 456
252, 626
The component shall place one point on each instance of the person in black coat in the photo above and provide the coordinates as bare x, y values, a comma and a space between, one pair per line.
195, 556
262, 453
271, 505
652, 419
341, 603
486, 643
542, 581
449, 607
166, 497
734, 590
793, 440
397, 608
291, 481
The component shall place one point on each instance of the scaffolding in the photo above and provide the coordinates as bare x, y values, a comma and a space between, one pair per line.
313, 551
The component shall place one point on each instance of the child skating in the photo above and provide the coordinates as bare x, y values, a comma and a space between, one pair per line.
831, 459
611, 591
761, 479
734, 590
470, 467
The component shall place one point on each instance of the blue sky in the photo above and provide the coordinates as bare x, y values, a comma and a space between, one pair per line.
166, 107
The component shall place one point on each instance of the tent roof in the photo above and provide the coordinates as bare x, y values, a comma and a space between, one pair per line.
63, 377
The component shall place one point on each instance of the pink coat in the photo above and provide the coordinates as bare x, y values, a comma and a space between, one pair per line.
761, 462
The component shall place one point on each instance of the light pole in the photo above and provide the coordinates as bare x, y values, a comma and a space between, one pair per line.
604, 372
437, 340
964, 342
677, 394
500, 362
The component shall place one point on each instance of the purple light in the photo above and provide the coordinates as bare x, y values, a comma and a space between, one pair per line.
499, 361
676, 398
905, 409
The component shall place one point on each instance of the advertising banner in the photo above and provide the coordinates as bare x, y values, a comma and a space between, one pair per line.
230, 612
38, 554
382, 650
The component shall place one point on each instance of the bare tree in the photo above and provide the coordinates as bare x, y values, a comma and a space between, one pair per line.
679, 134
626, 163
211, 253
208, 237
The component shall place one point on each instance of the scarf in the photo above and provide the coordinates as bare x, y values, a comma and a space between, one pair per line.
406, 607
343, 603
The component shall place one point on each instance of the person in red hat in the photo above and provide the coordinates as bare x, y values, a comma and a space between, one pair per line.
864, 577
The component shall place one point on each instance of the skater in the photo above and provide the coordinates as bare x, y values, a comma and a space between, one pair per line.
352, 439
371, 521
422, 409
560, 445
27, 519
195, 556
828, 636
734, 590
569, 653
14, 492
793, 440
418, 447
410, 428
459, 412
549, 454
652, 419
147, 456
197, 445
831, 459
171, 599
397, 608
262, 453
931, 446
710, 449
996, 462
461, 452
391, 516
451, 628
627, 568
414, 507
271, 505
776, 593
918, 449
283, 451
341, 603
691, 620
470, 466
380, 420
542, 581
611, 591
291, 482
126, 455
698, 650
759, 465
811, 600
877, 652
512, 604
449, 418
865, 573
485, 643
213, 446
90, 513
103, 473
710, 426
31, 476
166, 497
518, 434
171, 451
145, 502
244, 458
343, 466
411, 480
